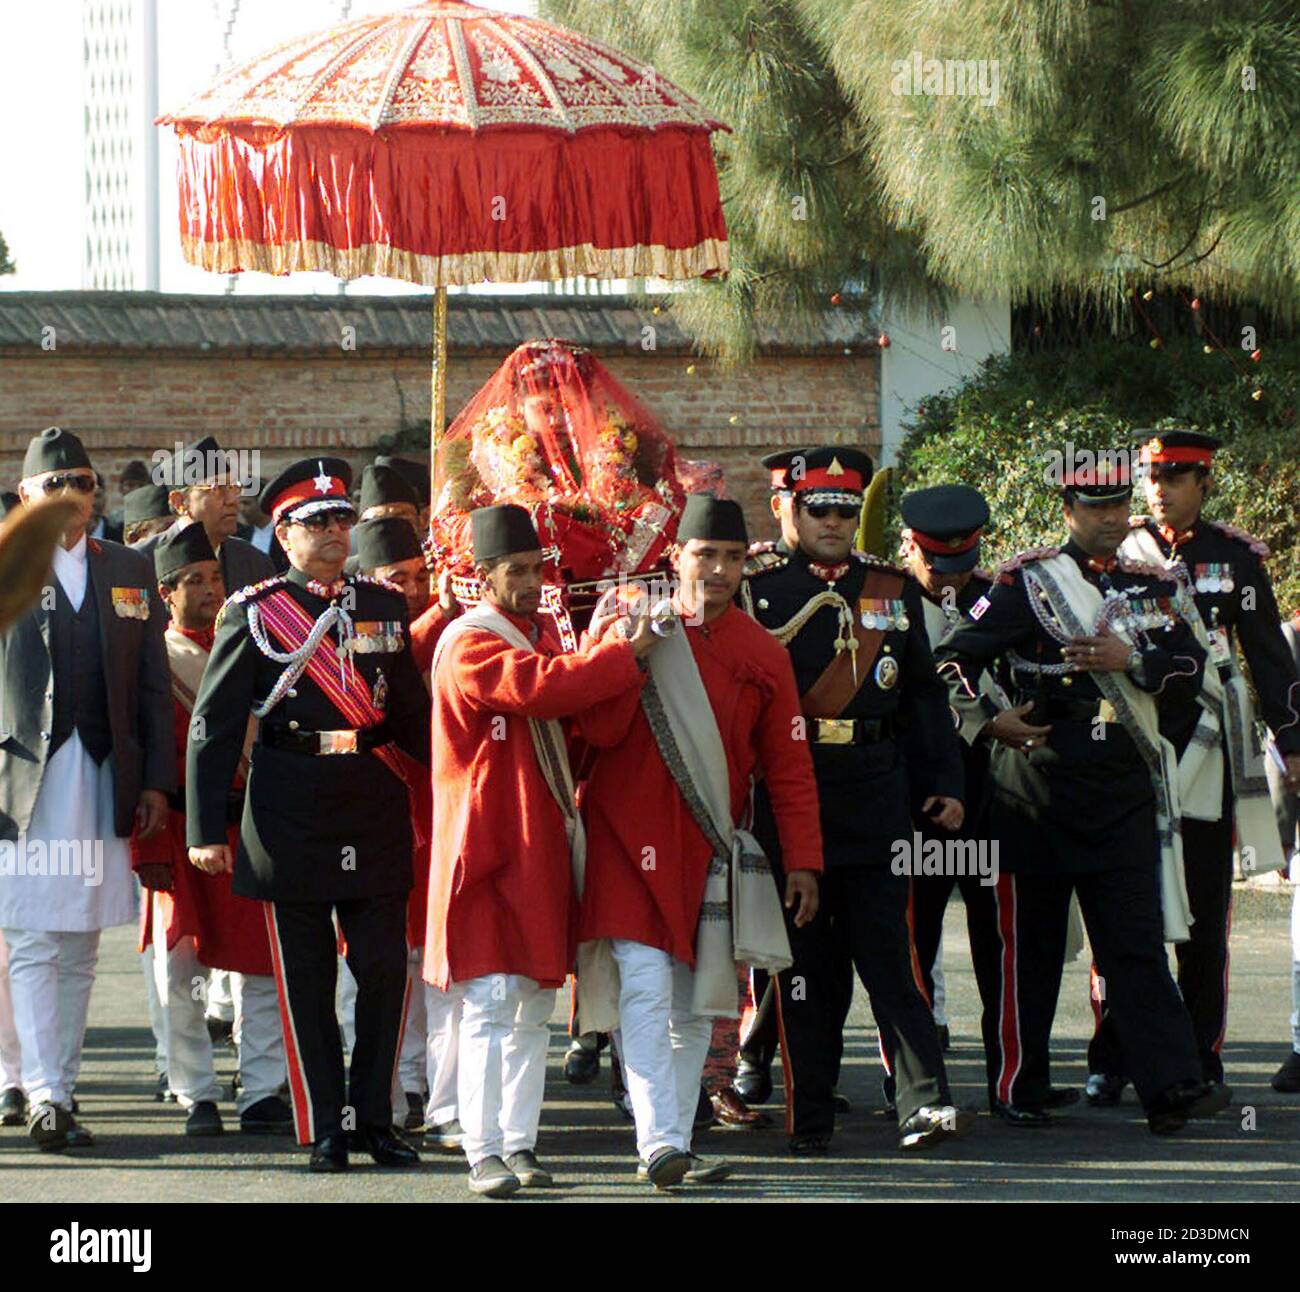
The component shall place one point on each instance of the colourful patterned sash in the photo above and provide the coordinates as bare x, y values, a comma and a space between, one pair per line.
291, 624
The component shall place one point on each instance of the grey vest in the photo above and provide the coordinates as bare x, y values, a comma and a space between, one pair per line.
80, 692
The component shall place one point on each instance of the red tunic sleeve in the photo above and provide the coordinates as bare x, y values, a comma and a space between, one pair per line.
492, 674
786, 764
425, 632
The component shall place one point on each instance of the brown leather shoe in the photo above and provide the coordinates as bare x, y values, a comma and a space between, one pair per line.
731, 1111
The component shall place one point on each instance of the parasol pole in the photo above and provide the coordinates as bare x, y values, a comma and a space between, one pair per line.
438, 385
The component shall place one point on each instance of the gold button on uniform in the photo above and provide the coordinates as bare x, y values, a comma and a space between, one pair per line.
293, 725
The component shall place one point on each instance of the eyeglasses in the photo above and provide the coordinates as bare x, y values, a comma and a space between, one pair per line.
322, 520
819, 511
65, 480
220, 486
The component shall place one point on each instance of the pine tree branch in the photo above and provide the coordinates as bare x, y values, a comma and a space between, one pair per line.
1151, 196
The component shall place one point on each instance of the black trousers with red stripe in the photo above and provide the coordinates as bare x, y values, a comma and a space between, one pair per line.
930, 895
305, 947
1121, 909
1202, 961
862, 921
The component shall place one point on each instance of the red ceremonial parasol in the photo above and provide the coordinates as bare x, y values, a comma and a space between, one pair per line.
447, 144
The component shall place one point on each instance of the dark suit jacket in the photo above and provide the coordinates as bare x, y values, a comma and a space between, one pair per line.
241, 563
139, 693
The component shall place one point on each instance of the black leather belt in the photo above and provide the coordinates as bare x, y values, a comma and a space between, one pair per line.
346, 741
850, 731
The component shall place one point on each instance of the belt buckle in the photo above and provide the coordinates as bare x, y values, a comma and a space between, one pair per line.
338, 742
834, 731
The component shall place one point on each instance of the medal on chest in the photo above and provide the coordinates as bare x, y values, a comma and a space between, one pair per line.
886, 673
376, 636
1211, 576
1145, 614
877, 614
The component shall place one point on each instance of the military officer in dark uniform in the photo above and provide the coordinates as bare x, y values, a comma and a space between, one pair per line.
941, 547
1225, 572
1089, 805
857, 640
324, 662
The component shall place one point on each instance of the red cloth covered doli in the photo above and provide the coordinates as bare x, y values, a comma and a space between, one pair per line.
500, 888
554, 431
632, 803
449, 144
229, 931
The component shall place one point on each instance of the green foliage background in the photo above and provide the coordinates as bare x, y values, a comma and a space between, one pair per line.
996, 430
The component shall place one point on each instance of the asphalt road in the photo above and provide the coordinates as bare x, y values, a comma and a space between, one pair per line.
1249, 1153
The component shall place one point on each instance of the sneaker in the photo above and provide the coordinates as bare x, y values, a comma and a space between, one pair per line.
1286, 1080
269, 1116
491, 1178
204, 1119
930, 1126
664, 1167
530, 1173
13, 1107
448, 1136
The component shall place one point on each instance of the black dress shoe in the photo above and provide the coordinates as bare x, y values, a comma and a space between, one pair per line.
1061, 1096
329, 1153
581, 1064
269, 1116
386, 1146
48, 1125
414, 1119
1104, 1090
754, 1083
204, 1119
1025, 1118
703, 1111
810, 1145
1286, 1080
841, 1104
1213, 1097
79, 1136
13, 1107
163, 1094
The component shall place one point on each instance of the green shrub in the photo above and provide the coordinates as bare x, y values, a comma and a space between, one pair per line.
996, 430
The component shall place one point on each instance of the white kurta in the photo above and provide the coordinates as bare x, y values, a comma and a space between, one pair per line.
71, 831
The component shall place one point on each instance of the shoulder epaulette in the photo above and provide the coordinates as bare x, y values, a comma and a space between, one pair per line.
250, 593
764, 556
1256, 545
878, 563
378, 583
1004, 571
1145, 568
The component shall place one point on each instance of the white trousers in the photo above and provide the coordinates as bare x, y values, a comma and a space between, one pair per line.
221, 995
50, 977
410, 1073
157, 1019
502, 1063
346, 1003
1295, 960
182, 984
11, 1054
661, 1043
430, 1041
260, 1037
443, 1011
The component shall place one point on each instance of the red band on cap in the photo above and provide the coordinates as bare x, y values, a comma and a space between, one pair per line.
946, 546
1183, 453
845, 480
307, 491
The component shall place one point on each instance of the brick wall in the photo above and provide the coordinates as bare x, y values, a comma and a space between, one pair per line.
126, 406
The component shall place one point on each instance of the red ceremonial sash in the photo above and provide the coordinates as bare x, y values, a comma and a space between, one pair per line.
292, 626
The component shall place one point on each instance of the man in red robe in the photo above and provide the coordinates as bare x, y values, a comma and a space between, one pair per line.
649, 858
193, 919
501, 887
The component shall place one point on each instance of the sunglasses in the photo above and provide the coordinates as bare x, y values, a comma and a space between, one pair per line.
60, 481
819, 511
322, 520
